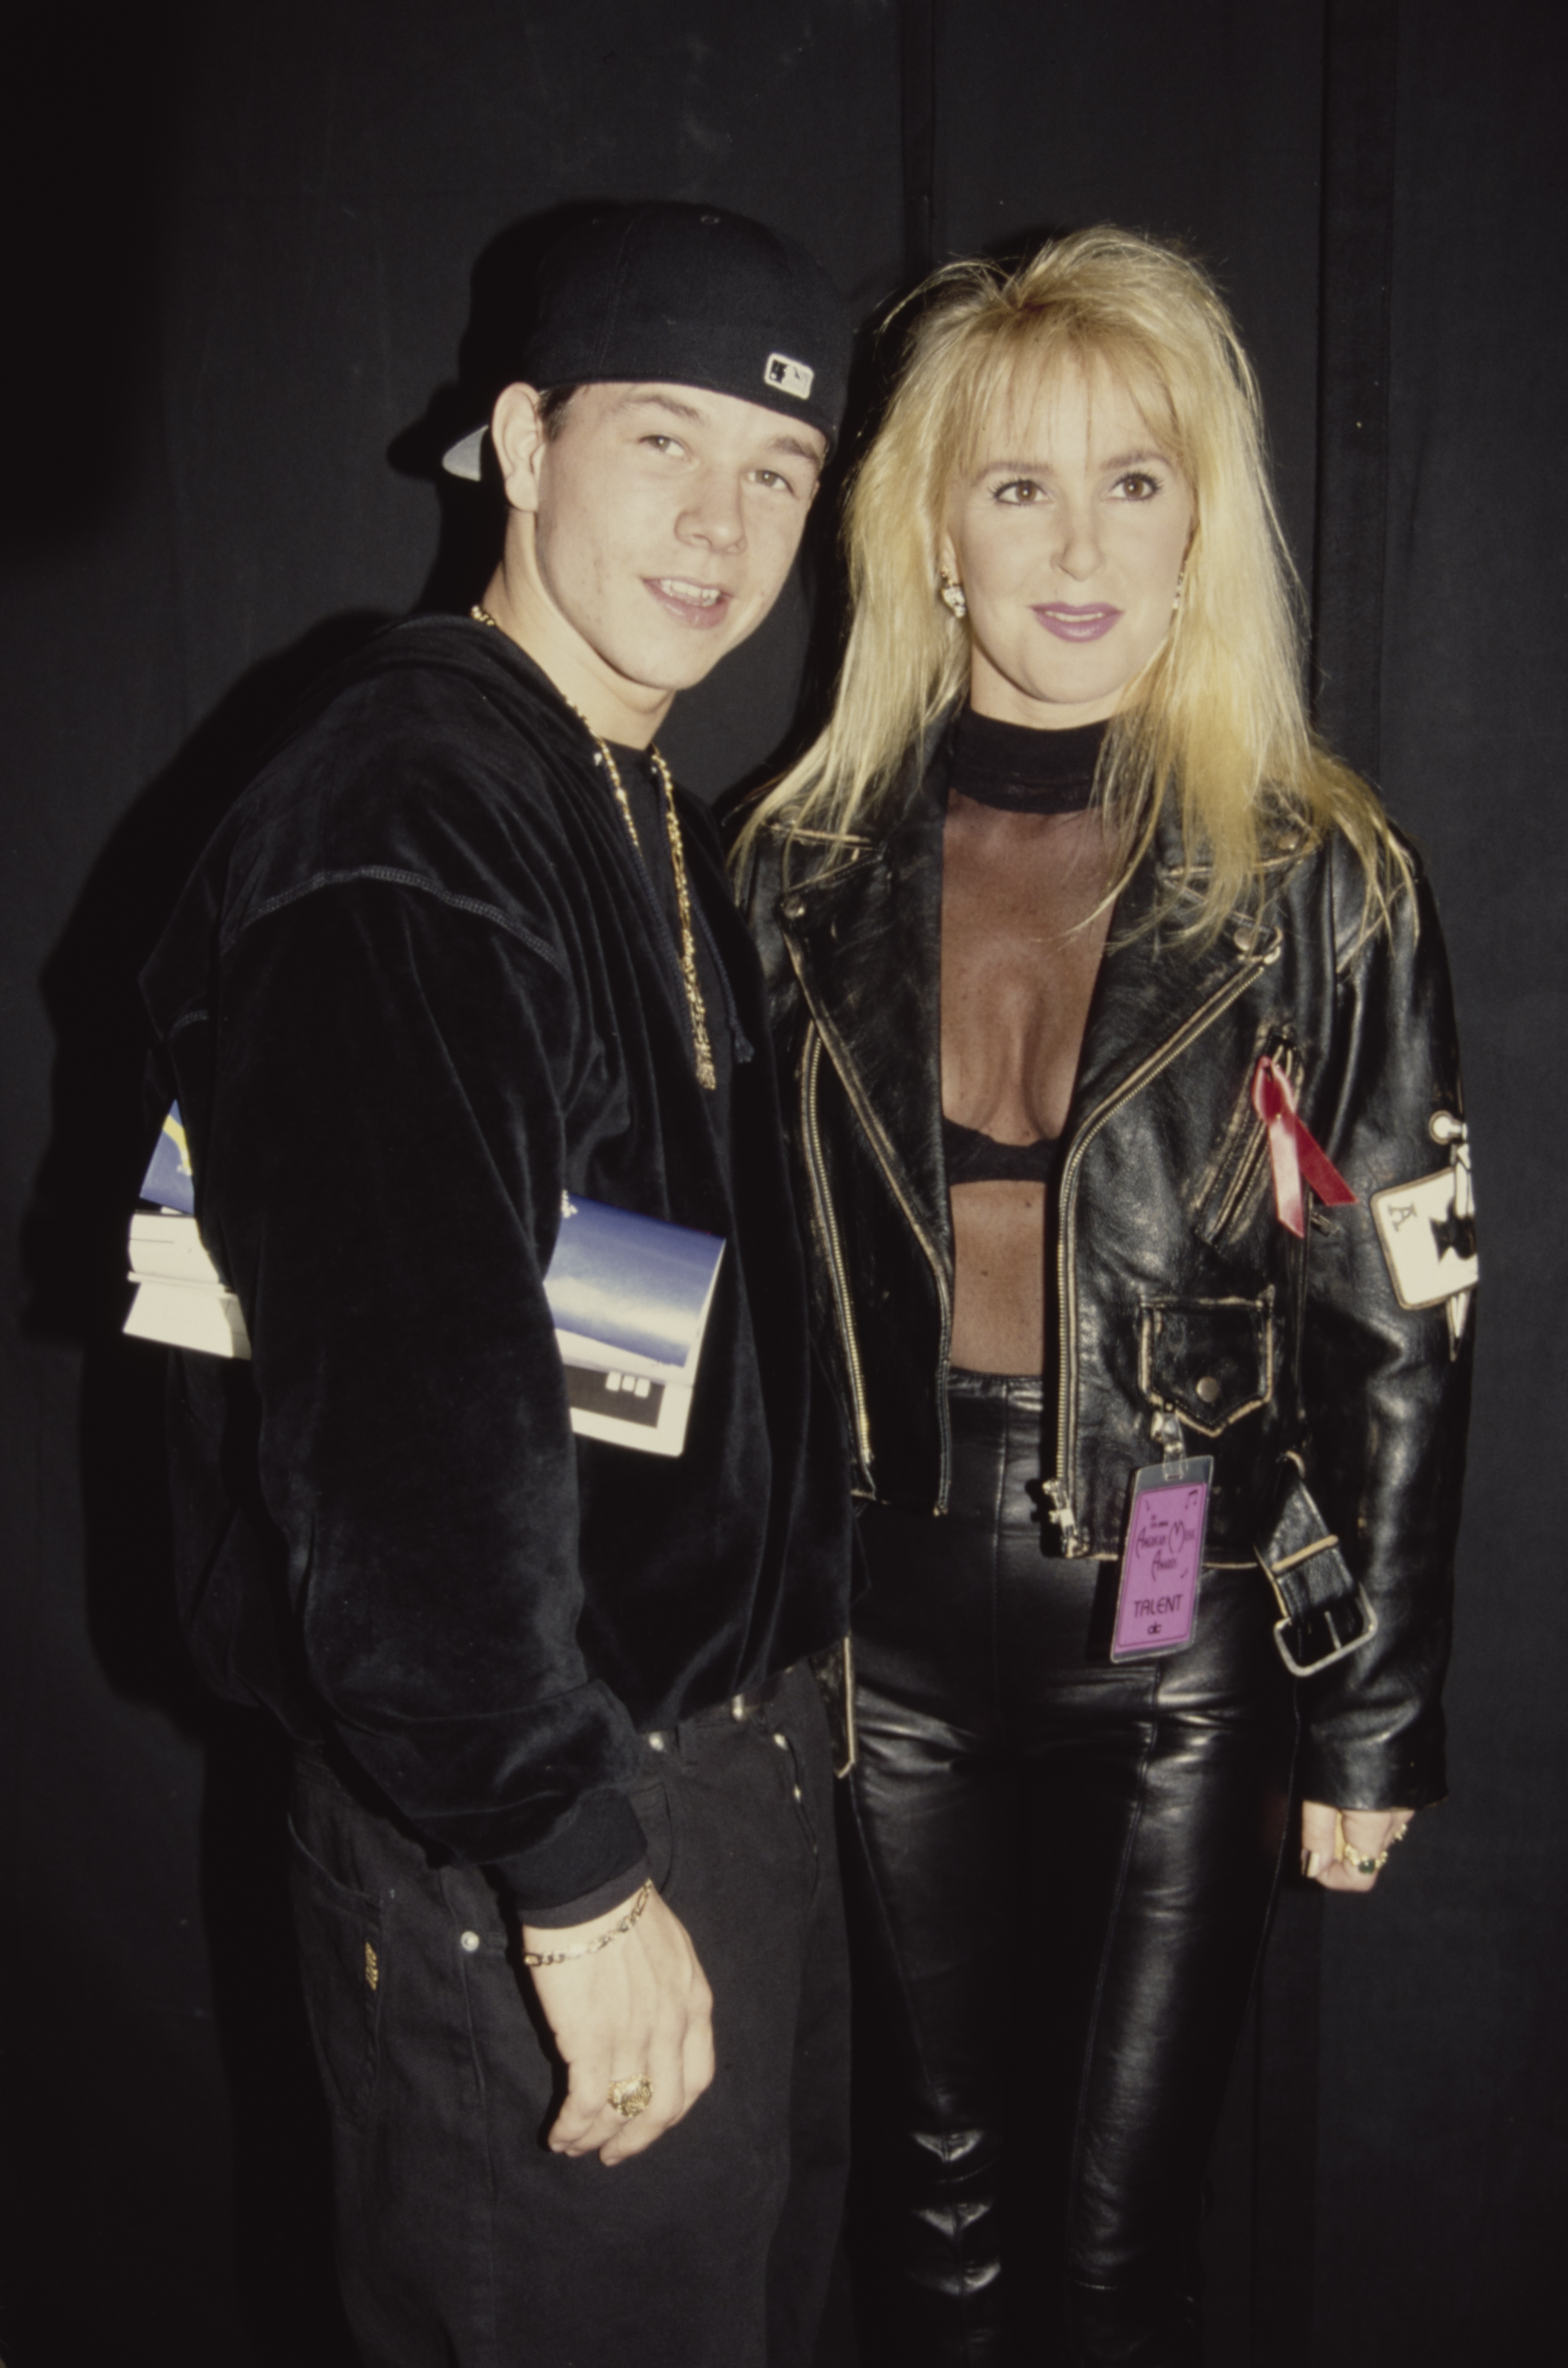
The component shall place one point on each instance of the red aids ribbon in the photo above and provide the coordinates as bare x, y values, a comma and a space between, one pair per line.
1293, 1152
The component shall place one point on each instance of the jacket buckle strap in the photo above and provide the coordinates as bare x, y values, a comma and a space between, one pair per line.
1326, 1614
1310, 1642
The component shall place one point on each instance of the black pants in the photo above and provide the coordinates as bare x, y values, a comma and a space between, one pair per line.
1060, 1877
462, 2241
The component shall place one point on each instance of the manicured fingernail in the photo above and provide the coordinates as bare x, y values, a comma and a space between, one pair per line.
1310, 1862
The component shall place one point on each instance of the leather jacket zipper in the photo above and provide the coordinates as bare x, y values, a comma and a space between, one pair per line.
1277, 1046
943, 1280
828, 1224
1057, 1491
1242, 1182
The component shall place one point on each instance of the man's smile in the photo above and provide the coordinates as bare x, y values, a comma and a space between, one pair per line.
694, 604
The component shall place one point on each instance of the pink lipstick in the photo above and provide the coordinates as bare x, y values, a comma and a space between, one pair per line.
1074, 624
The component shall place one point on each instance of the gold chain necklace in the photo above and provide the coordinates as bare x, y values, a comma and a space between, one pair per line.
701, 1044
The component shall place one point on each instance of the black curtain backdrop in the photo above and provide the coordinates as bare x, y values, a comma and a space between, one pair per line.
257, 261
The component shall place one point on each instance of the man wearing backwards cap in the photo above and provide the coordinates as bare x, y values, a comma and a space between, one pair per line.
459, 957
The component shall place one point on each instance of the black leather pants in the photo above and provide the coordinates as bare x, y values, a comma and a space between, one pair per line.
1061, 1873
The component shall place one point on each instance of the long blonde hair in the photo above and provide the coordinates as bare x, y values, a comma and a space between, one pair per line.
1216, 723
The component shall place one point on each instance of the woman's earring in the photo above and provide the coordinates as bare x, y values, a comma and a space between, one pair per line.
1181, 579
950, 594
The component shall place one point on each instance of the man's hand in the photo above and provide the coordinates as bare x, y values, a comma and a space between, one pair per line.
637, 2010
1334, 1840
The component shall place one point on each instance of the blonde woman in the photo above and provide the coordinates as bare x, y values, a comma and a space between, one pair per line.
1129, 1125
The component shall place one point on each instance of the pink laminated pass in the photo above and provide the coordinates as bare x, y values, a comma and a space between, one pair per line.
1162, 1559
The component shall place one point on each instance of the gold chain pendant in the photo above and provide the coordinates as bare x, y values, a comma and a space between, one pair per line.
702, 1043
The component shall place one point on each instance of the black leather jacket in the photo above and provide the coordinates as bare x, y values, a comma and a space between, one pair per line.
1173, 1288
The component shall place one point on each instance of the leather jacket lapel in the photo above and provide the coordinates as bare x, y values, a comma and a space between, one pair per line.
864, 934
1142, 1003
863, 926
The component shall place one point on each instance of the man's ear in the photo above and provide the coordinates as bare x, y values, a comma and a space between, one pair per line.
518, 433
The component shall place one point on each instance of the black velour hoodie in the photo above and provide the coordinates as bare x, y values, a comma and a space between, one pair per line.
416, 989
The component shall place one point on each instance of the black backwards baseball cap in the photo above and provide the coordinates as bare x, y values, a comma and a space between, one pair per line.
691, 296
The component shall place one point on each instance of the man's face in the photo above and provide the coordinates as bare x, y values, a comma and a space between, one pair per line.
653, 532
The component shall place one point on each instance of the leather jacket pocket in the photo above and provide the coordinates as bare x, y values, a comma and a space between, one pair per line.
1209, 1362
1232, 1186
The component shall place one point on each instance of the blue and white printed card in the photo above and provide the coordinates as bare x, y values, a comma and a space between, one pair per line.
168, 1183
631, 1297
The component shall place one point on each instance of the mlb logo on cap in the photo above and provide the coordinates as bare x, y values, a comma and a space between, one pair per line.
688, 296
789, 377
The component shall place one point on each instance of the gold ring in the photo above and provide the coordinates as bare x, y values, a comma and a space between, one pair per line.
631, 2098
1365, 1866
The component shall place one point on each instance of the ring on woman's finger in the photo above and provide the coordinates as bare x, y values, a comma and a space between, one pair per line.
1365, 1865
631, 2098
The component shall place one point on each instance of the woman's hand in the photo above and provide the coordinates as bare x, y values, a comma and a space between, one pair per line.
1336, 1843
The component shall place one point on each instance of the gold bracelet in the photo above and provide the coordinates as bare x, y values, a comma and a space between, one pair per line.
533, 1957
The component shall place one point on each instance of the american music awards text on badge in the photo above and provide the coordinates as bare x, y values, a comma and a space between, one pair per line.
1158, 1601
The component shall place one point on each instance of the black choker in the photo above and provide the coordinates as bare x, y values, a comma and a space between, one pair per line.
1023, 770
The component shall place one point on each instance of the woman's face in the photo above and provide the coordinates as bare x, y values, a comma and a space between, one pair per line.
1068, 539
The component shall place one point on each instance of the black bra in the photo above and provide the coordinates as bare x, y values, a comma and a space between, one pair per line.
976, 1158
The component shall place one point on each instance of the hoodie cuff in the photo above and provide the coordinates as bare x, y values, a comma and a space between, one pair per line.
597, 1901
599, 1848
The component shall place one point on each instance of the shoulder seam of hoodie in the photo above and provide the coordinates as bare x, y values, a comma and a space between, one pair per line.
396, 878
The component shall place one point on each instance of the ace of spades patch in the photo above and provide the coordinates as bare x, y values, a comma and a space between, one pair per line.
1428, 1232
